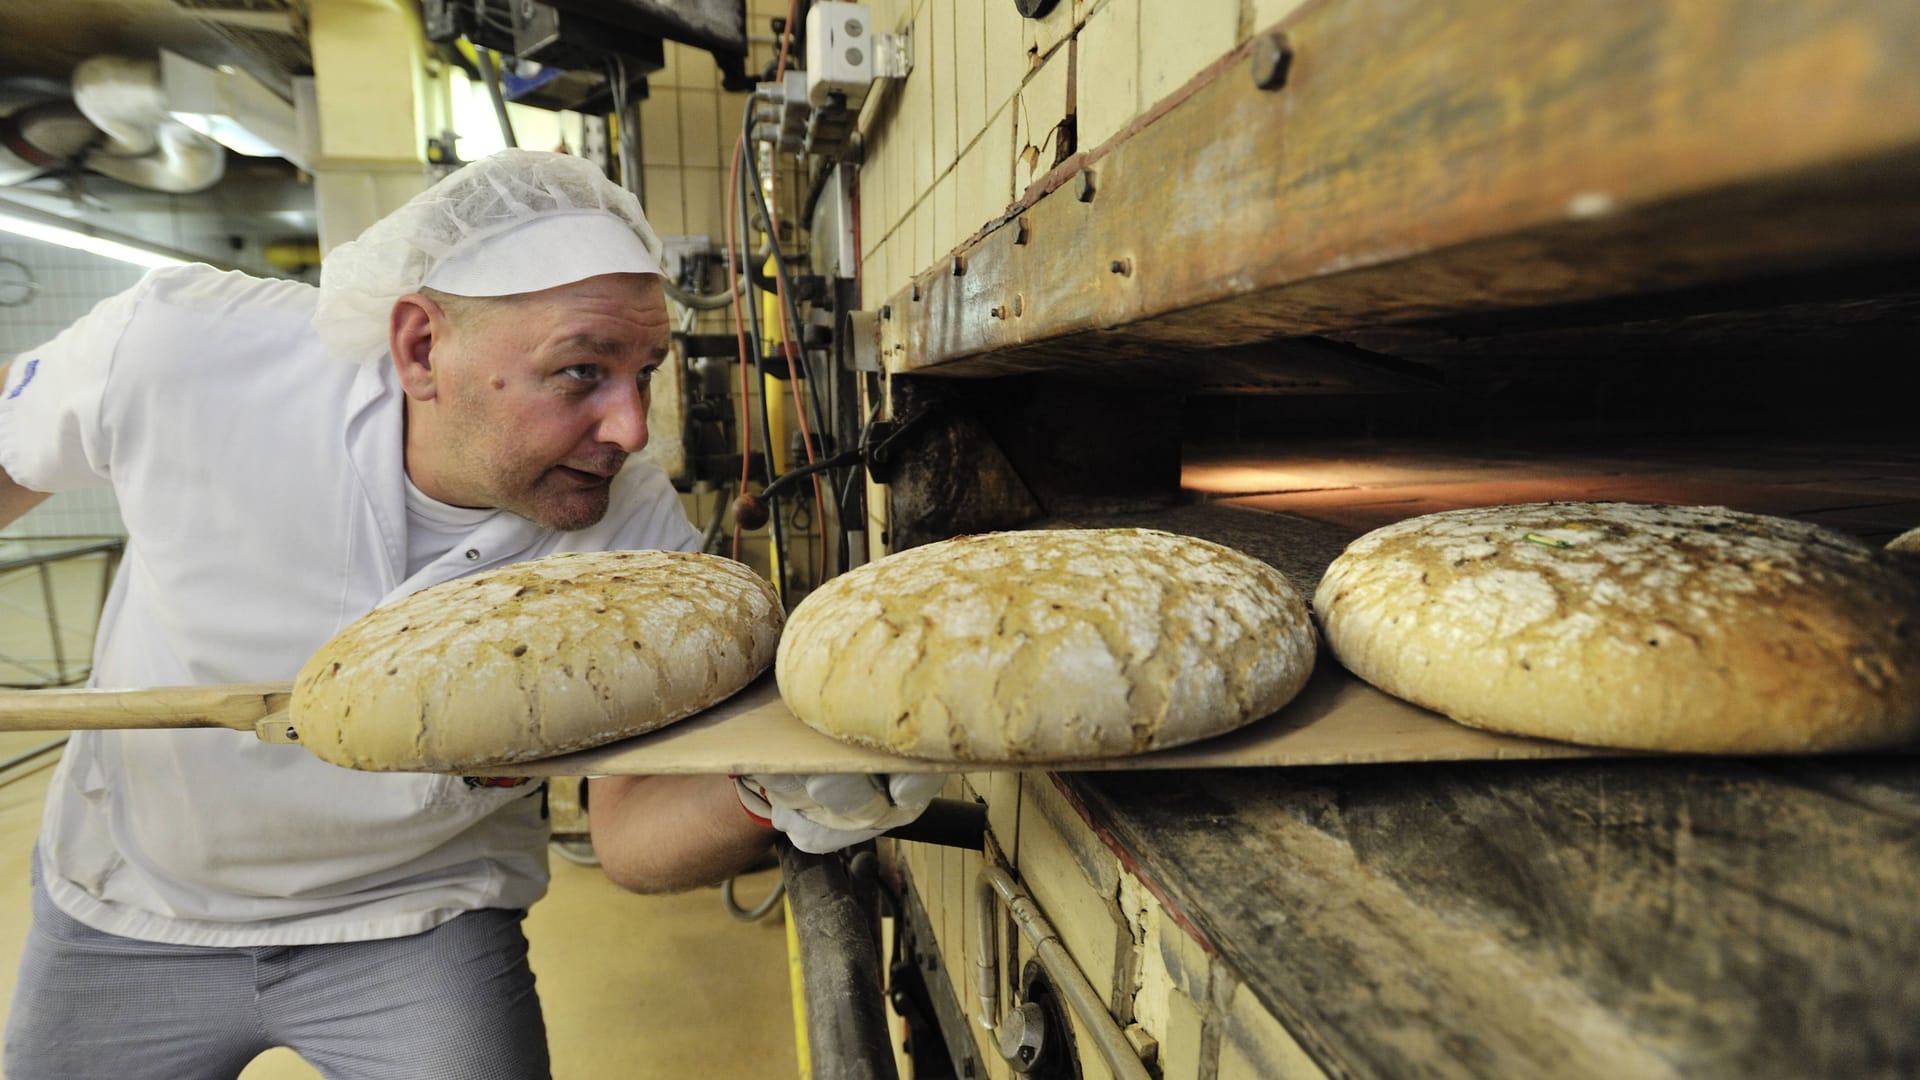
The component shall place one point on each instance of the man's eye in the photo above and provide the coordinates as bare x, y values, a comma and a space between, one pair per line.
645, 378
582, 372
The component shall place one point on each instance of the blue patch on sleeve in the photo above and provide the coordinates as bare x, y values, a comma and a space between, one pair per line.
33, 366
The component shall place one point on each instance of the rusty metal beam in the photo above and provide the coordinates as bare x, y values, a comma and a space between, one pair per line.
1448, 156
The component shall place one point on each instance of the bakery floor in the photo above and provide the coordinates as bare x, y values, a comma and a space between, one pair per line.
633, 987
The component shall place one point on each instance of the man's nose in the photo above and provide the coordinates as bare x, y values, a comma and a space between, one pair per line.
624, 420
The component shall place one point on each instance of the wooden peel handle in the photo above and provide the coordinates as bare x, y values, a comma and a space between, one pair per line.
239, 706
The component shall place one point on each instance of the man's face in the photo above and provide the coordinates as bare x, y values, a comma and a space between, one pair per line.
538, 401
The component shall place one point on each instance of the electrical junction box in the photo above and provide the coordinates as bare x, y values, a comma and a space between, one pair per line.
840, 52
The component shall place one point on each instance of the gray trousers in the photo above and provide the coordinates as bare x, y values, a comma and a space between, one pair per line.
455, 1002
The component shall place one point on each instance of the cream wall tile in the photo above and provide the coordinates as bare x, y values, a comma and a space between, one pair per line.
1073, 878
932, 881
957, 890
1108, 71
916, 120
879, 190
697, 69
969, 72
705, 196
946, 223
728, 111
1001, 790
662, 199
873, 206
876, 287
1042, 36
1004, 59
969, 190
949, 915
1039, 110
660, 128
899, 166
700, 128
926, 245
996, 167
944, 56
1092, 1065
1267, 12
669, 74
1175, 974
1177, 40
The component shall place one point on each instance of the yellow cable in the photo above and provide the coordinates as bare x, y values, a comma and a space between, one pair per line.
773, 392
800, 1047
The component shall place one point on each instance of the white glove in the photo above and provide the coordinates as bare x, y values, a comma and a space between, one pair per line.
824, 812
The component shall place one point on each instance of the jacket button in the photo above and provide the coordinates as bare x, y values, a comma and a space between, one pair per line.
473, 554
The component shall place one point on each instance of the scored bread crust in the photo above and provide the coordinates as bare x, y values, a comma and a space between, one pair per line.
1676, 628
535, 659
1046, 646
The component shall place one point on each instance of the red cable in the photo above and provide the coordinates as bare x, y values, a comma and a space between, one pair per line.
786, 39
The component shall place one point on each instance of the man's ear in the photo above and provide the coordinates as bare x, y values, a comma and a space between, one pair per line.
414, 326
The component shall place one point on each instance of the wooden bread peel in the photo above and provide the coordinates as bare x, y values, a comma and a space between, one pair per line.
1336, 720
261, 708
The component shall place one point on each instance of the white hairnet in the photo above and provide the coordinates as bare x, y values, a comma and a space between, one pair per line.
360, 279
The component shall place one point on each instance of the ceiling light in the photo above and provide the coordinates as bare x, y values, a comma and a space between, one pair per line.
86, 238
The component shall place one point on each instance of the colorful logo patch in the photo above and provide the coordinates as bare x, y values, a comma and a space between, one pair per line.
26, 376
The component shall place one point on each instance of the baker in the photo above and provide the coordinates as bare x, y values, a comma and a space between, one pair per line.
464, 390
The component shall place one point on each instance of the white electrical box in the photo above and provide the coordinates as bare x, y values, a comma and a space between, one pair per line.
840, 52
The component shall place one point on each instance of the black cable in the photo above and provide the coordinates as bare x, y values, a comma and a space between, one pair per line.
815, 189
786, 480
785, 291
758, 911
786, 295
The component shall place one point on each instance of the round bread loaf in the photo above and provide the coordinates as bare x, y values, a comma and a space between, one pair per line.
1907, 543
535, 659
1677, 628
1046, 646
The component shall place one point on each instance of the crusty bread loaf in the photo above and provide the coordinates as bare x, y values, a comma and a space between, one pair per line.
1046, 646
1674, 628
536, 659
1907, 543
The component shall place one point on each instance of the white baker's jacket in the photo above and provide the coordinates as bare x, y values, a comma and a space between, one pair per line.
262, 485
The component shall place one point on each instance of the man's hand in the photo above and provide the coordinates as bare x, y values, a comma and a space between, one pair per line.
825, 812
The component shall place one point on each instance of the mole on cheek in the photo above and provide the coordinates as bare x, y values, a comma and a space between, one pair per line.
499, 383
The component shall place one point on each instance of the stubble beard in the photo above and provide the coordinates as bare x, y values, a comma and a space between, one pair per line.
577, 510
550, 499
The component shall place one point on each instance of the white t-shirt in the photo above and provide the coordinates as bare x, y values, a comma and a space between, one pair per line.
263, 488
435, 528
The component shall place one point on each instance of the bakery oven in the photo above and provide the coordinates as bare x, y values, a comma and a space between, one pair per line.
1377, 262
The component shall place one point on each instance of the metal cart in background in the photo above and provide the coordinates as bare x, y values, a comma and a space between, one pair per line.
24, 665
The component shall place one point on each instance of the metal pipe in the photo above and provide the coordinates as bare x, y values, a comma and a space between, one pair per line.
53, 622
490, 72
1055, 961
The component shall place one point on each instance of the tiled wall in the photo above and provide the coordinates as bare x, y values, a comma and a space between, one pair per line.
69, 284
948, 148
688, 125
981, 116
